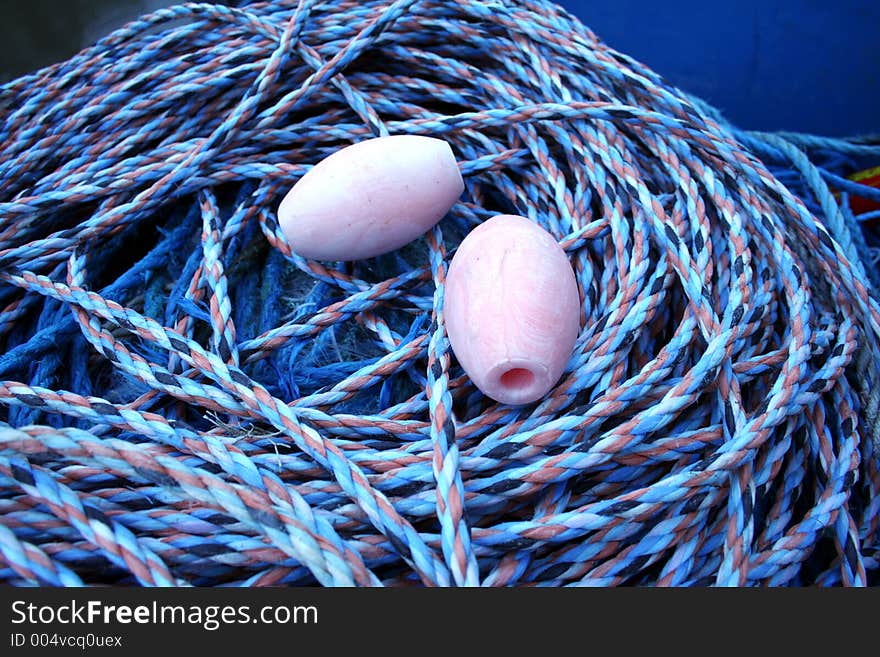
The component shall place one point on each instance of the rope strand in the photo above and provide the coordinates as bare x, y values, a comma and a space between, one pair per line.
185, 401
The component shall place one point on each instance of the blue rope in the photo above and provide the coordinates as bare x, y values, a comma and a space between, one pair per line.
185, 401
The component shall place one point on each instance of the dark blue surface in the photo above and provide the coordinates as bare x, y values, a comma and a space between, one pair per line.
811, 66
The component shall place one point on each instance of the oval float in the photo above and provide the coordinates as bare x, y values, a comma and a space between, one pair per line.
371, 198
512, 309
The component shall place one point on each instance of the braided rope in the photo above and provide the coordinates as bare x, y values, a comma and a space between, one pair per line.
185, 401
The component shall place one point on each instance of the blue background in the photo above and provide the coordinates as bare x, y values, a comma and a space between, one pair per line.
805, 65
808, 65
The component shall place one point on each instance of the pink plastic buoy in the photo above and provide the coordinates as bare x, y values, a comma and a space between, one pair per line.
512, 309
371, 198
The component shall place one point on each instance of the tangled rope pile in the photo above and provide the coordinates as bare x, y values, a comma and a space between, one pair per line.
187, 402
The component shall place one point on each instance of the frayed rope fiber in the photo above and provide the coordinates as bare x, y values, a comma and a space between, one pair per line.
187, 402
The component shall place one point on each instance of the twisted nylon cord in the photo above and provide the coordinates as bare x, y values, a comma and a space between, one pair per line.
185, 401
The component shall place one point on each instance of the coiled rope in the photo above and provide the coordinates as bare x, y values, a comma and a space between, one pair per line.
187, 402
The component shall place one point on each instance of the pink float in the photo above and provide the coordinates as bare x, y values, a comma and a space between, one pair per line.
371, 198
512, 309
